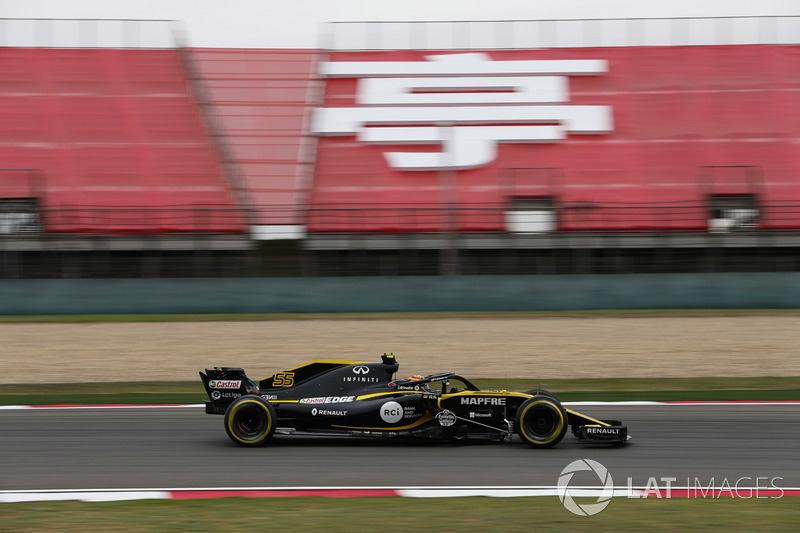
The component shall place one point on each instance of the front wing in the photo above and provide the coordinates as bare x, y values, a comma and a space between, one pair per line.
592, 430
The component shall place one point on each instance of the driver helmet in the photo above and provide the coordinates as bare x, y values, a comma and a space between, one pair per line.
422, 386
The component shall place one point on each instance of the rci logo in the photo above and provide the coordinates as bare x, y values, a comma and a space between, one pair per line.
391, 412
566, 494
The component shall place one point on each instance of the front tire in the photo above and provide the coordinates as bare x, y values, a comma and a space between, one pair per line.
541, 421
250, 421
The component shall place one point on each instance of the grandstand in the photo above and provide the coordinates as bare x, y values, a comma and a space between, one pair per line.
521, 147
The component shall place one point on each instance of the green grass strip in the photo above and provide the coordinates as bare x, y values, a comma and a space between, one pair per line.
102, 399
397, 514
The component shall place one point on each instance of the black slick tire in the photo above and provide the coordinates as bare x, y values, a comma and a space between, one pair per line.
250, 421
541, 421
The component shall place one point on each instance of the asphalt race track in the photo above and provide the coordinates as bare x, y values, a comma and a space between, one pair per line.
46, 449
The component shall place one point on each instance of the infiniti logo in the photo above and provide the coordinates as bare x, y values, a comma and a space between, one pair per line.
360, 370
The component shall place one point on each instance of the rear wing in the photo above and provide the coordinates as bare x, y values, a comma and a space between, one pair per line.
223, 385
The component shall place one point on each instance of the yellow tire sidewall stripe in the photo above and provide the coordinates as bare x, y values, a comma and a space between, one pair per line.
237, 408
555, 433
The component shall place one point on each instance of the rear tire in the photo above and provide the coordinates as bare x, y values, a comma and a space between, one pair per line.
250, 421
541, 421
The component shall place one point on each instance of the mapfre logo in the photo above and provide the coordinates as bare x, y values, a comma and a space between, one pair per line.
465, 103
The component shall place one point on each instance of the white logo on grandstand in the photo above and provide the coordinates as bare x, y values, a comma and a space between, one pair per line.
361, 370
466, 103
222, 384
567, 494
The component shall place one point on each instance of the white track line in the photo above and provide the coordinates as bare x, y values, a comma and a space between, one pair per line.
84, 496
126, 406
115, 495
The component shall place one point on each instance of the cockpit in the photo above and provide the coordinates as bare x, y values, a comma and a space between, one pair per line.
446, 382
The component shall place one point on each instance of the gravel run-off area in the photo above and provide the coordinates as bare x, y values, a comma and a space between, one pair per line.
478, 347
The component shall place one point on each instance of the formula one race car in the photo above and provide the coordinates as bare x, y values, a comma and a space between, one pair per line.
363, 399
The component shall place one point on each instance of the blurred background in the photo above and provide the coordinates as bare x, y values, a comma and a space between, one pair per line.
627, 145
211, 159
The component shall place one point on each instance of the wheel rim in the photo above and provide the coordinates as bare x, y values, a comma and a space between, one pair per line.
541, 421
250, 421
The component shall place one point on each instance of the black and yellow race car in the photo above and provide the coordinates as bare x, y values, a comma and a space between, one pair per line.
365, 399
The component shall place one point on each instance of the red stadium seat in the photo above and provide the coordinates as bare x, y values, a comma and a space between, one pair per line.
117, 141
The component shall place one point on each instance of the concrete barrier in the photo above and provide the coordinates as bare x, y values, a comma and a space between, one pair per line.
410, 293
